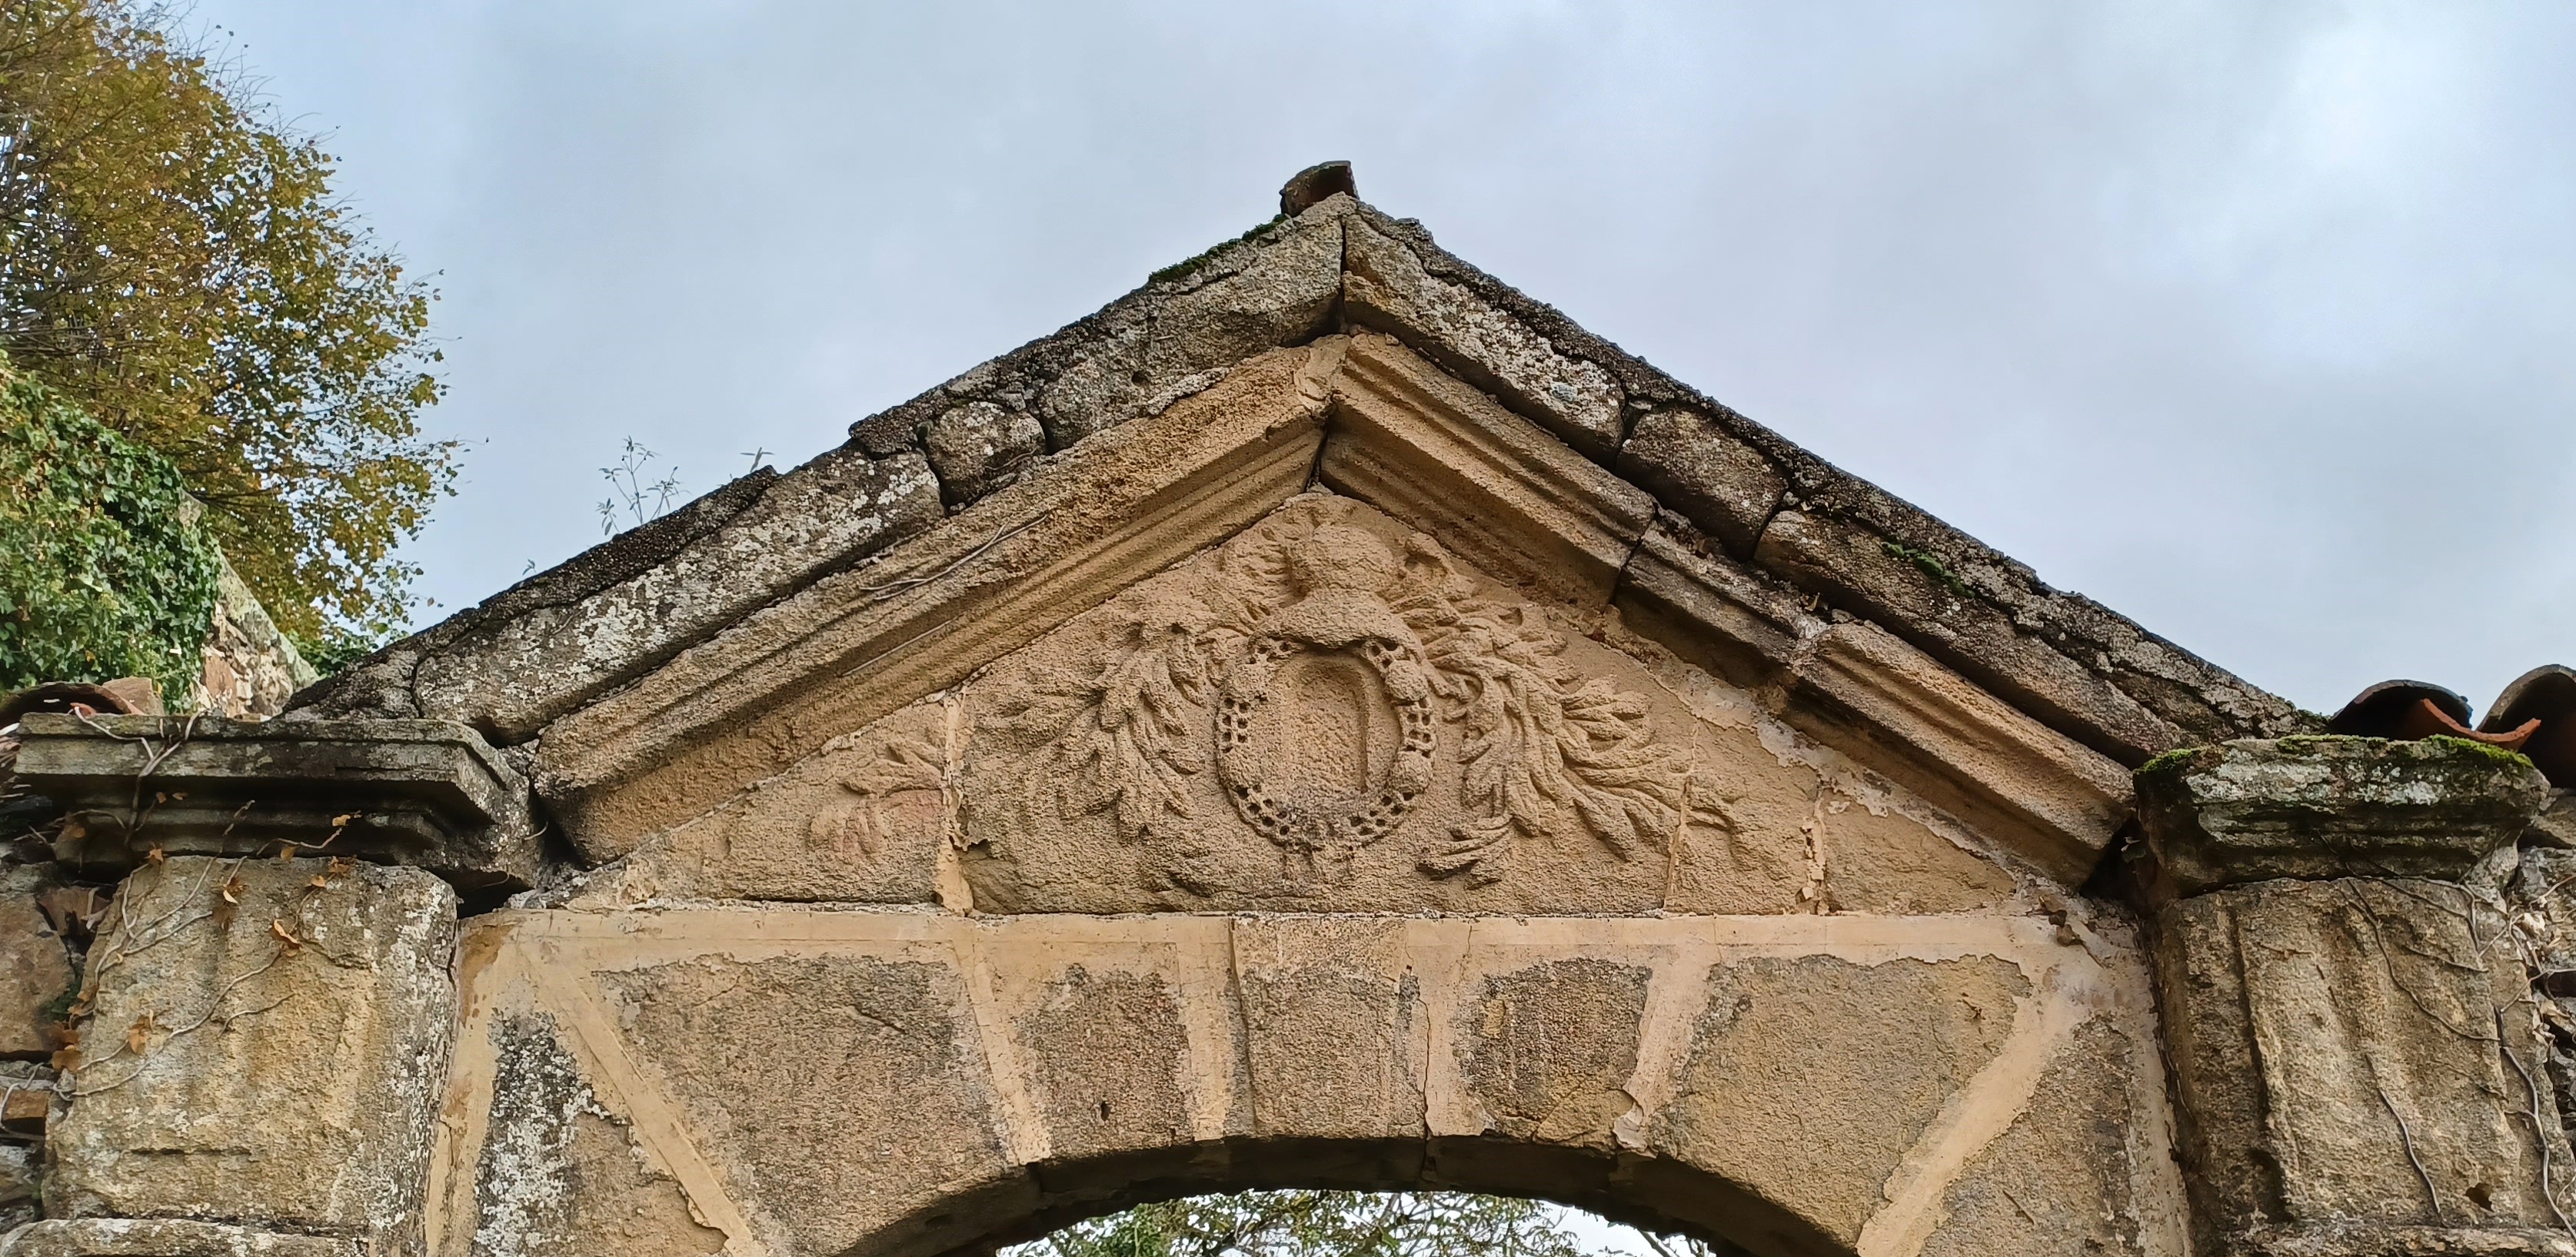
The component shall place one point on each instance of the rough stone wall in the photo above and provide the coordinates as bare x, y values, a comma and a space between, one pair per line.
251, 668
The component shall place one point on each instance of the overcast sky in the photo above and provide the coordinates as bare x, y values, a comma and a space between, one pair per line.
2252, 321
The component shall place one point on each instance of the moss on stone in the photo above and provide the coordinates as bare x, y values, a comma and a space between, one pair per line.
1930, 565
1191, 266
2497, 753
2170, 760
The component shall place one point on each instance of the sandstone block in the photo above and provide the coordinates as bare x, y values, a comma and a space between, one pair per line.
1332, 1022
1695, 467
1881, 861
1808, 1079
1547, 1051
848, 1089
560, 1174
508, 678
1927, 598
2061, 1179
1106, 1059
2326, 807
264, 1046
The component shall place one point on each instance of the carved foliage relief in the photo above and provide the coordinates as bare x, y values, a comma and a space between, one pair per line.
1328, 706
1327, 713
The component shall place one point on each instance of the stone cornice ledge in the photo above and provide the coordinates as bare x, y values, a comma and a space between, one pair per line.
426, 793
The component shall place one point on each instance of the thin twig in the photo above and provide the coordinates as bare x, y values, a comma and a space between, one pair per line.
2539, 1133
2406, 1138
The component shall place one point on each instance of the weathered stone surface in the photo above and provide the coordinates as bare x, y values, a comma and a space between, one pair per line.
1413, 441
166, 1237
251, 669
2060, 1179
2556, 824
1332, 1028
1924, 599
1549, 1049
864, 820
1263, 727
1757, 851
20, 1186
1809, 1079
422, 792
849, 1086
1877, 860
775, 687
809, 1080
1106, 1056
2369, 1240
35, 974
514, 675
264, 1045
1387, 288
2355, 1051
381, 684
2334, 807
1696, 467
979, 447
560, 1174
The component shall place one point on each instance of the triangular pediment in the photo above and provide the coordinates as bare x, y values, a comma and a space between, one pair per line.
1550, 635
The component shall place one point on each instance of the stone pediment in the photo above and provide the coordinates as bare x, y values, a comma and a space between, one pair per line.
1347, 568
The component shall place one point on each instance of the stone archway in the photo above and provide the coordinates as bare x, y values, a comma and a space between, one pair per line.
1322, 720
866, 1083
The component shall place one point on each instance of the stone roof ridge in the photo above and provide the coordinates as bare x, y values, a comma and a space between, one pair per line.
1737, 492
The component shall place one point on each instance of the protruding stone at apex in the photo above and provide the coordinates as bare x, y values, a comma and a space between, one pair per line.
2322, 807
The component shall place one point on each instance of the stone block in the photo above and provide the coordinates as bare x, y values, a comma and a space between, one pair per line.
264, 1045
167, 1237
1808, 1079
20, 1185
420, 792
560, 1174
2323, 807
846, 1089
1105, 1059
979, 447
1546, 1051
1697, 468
35, 974
1926, 598
1385, 287
2355, 1052
509, 677
1332, 1020
1882, 861
2061, 1178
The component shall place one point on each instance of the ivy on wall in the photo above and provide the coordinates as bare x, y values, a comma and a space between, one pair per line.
103, 570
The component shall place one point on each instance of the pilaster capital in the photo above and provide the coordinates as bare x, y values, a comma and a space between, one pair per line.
2324, 807
426, 793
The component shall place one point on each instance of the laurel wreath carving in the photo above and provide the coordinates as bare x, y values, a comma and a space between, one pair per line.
1540, 745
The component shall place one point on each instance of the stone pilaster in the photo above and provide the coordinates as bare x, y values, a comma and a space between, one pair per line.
265, 1019
262, 1045
2349, 1026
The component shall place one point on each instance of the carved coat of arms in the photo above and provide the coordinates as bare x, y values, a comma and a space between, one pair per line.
1340, 689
